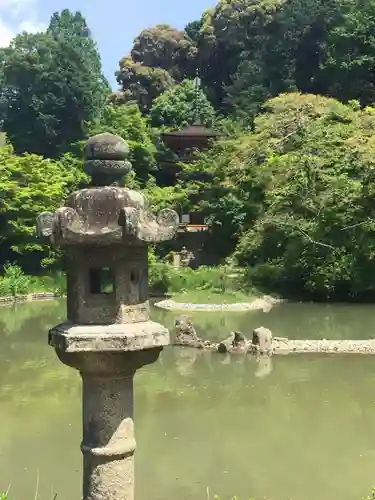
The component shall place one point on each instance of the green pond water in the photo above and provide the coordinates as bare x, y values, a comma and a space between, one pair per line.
300, 428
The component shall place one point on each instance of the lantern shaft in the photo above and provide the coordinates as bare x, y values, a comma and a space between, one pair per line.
108, 443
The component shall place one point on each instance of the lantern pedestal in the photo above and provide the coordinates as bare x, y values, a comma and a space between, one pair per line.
107, 358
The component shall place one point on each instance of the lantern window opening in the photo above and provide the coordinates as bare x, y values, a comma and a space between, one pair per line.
102, 281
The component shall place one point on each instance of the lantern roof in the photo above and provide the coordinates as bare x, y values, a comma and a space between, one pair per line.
197, 130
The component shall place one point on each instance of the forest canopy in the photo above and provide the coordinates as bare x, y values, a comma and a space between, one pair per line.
289, 84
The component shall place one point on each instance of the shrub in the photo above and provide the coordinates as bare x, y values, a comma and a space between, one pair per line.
166, 278
14, 282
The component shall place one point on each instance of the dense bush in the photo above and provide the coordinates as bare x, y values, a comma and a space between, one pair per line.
316, 232
29, 185
14, 282
298, 194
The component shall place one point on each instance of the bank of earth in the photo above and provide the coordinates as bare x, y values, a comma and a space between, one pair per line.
224, 302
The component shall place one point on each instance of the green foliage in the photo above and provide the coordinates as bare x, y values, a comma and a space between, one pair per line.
258, 49
51, 86
165, 47
315, 233
214, 186
54, 282
140, 84
14, 282
165, 197
288, 190
182, 105
160, 57
29, 185
165, 278
294, 197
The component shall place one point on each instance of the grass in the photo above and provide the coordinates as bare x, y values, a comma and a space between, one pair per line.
205, 285
201, 286
213, 297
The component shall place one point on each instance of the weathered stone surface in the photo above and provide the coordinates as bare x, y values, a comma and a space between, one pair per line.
106, 159
107, 213
104, 216
68, 337
235, 342
126, 303
325, 347
104, 231
262, 340
226, 345
108, 443
185, 331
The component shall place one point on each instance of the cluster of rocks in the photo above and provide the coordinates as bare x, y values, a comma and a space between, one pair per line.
236, 342
263, 342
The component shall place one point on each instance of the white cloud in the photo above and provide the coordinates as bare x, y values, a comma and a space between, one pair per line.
6, 34
16, 7
17, 16
30, 26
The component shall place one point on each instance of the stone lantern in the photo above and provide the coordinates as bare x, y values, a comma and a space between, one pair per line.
104, 231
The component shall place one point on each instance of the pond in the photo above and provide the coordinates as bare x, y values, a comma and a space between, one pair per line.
205, 424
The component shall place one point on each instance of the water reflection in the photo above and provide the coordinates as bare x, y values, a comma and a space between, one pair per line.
264, 367
186, 358
278, 428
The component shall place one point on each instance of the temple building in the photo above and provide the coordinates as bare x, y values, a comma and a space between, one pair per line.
183, 145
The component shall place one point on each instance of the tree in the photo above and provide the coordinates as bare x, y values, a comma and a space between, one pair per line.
166, 47
29, 185
140, 84
182, 105
315, 234
52, 86
347, 69
221, 36
249, 51
72, 28
161, 57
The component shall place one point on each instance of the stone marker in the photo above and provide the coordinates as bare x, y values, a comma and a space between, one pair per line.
262, 340
104, 231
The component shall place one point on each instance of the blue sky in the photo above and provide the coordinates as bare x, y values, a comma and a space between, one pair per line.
114, 23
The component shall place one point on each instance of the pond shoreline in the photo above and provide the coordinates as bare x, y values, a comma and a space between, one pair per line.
266, 302
324, 346
30, 297
39, 296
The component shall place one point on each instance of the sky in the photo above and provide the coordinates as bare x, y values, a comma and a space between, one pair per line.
114, 23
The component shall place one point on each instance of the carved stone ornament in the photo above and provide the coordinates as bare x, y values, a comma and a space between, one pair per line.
106, 214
